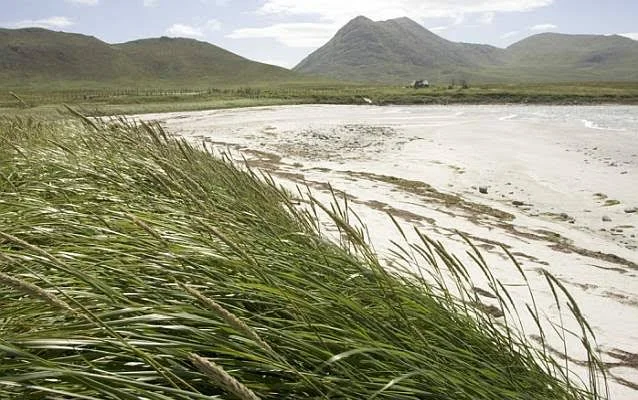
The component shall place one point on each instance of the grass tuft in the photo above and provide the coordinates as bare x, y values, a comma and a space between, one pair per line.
192, 278
217, 374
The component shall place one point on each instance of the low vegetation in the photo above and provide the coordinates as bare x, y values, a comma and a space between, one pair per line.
131, 100
134, 265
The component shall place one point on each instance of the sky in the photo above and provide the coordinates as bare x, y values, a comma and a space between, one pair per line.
283, 32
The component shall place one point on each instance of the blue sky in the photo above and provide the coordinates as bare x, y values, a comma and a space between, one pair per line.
284, 31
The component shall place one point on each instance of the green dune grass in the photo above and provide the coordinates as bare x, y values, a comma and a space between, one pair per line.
137, 266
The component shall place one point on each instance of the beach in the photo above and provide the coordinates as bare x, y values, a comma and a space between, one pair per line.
555, 186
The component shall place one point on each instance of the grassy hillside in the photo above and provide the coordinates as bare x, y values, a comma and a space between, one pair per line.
573, 57
400, 50
36, 57
395, 50
40, 55
137, 266
187, 61
387, 52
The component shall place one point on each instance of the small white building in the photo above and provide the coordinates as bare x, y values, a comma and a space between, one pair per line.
422, 83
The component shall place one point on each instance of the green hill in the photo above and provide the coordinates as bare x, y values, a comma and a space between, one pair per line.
42, 55
188, 60
394, 50
34, 56
401, 50
574, 57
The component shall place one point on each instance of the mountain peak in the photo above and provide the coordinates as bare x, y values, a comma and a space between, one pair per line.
361, 19
363, 23
405, 21
401, 50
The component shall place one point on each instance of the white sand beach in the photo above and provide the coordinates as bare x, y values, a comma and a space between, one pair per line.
561, 187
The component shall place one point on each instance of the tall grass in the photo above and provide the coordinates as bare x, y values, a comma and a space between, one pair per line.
137, 266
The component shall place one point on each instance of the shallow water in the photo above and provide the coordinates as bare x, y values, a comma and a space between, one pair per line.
559, 181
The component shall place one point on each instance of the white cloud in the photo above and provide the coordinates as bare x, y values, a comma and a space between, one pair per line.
194, 31
341, 11
47, 23
542, 27
487, 18
212, 25
299, 34
633, 36
181, 30
150, 3
459, 19
510, 34
84, 2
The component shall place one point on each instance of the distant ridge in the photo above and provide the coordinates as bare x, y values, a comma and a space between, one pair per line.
585, 57
35, 56
396, 51
400, 50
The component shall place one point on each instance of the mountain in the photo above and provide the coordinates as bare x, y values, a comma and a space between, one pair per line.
188, 59
35, 56
400, 50
395, 51
34, 53
575, 57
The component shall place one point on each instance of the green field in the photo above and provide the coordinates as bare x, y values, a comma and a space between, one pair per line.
137, 266
117, 101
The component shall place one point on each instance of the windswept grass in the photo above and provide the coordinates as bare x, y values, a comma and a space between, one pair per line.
134, 265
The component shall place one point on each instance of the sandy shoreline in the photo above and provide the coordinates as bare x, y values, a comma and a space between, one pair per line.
560, 190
